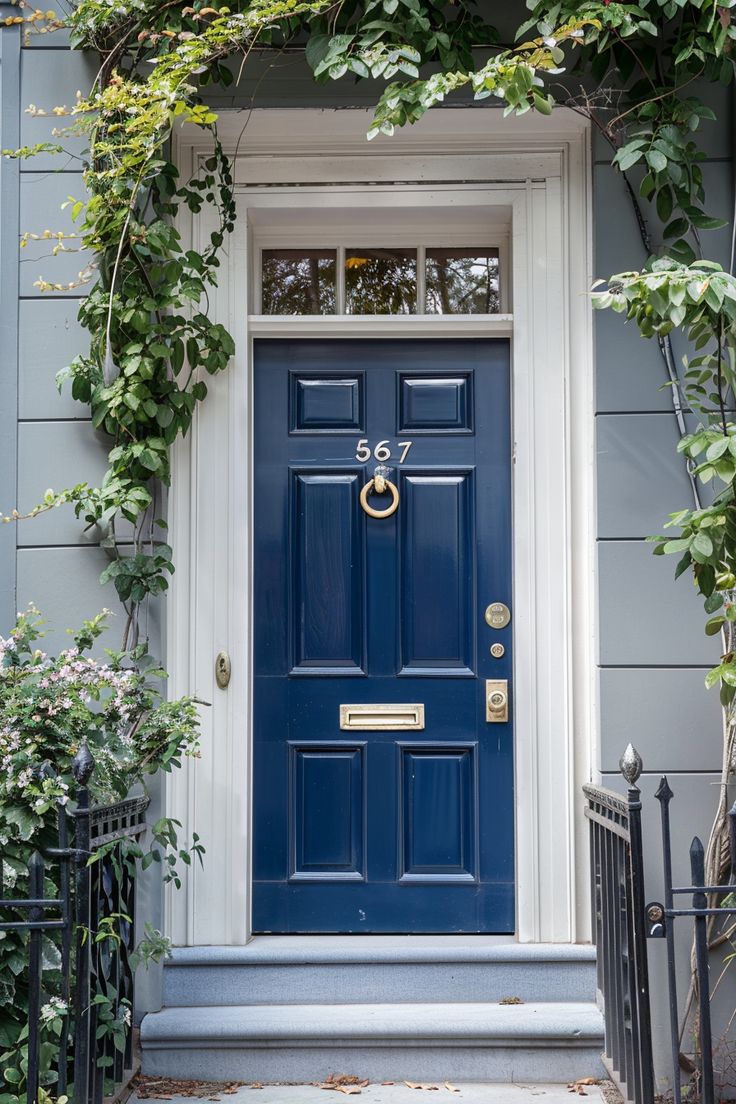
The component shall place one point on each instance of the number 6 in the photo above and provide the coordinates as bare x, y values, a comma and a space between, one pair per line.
363, 451
381, 451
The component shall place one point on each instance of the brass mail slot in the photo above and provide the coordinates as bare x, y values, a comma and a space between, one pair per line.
373, 717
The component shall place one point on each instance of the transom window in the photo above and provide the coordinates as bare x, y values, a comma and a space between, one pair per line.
381, 279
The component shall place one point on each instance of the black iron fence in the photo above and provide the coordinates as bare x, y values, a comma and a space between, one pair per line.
623, 924
93, 919
703, 912
617, 868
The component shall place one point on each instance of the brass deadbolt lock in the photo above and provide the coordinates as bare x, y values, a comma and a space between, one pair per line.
497, 701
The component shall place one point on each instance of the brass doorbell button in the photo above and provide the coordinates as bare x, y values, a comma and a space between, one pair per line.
497, 651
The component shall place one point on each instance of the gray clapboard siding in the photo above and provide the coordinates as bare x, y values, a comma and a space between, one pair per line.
641, 479
647, 619
53, 40
10, 192
629, 369
57, 455
616, 236
667, 714
42, 195
64, 584
49, 79
49, 338
713, 138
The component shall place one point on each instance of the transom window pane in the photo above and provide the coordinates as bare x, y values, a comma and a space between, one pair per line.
298, 281
462, 281
380, 281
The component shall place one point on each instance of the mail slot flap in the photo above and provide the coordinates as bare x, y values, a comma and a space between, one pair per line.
370, 717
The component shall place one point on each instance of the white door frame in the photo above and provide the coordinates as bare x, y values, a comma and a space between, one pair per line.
538, 170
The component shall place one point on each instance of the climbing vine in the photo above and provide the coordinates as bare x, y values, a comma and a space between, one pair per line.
637, 71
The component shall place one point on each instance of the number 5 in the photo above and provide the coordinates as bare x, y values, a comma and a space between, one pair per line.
363, 452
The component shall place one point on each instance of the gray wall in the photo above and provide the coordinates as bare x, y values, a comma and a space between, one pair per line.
47, 440
652, 655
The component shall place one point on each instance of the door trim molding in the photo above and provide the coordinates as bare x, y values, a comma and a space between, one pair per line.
538, 171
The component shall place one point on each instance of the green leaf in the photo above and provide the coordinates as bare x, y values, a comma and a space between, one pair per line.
713, 603
679, 545
718, 448
714, 625
713, 676
701, 547
656, 160
627, 157
664, 203
676, 228
705, 222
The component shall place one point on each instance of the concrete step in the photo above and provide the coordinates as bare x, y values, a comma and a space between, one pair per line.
377, 969
553, 1042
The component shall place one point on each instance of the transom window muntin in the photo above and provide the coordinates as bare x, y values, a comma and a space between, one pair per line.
382, 279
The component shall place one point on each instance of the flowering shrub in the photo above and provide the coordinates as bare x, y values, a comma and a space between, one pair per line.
49, 707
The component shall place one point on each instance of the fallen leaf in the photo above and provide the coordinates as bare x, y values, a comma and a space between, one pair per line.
256, 1085
388, 1082
451, 1088
511, 1000
420, 1085
578, 1086
349, 1090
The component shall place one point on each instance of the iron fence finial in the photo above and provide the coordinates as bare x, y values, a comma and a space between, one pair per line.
83, 765
664, 793
630, 764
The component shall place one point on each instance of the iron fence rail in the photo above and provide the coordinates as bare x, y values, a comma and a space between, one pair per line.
89, 895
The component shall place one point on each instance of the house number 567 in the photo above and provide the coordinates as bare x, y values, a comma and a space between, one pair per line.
381, 451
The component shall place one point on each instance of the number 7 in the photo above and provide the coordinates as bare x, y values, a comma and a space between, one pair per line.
405, 445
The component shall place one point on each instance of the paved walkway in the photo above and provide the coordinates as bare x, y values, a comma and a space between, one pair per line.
469, 1093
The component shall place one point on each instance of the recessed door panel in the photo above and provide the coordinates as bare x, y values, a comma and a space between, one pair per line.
383, 797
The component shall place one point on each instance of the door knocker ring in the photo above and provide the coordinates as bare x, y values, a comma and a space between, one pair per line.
381, 485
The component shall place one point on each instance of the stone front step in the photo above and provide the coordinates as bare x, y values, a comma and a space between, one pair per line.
474, 1041
377, 970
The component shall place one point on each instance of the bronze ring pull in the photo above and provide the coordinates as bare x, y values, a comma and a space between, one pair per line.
381, 484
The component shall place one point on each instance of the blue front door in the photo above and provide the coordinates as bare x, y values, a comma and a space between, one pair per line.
398, 818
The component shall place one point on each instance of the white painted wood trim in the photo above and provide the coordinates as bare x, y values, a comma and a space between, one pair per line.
381, 325
538, 173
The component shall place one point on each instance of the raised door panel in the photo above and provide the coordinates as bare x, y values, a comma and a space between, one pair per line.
438, 814
327, 593
436, 556
327, 813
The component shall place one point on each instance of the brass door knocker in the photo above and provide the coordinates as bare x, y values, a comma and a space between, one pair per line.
380, 484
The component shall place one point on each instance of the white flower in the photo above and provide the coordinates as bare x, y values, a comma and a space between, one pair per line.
126, 1017
54, 1009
